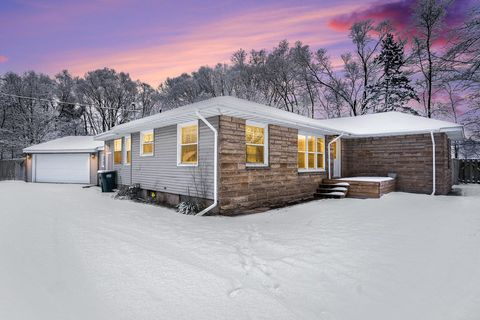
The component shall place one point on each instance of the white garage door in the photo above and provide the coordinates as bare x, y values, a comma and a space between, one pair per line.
64, 168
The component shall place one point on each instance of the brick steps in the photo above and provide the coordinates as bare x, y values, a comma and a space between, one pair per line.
332, 189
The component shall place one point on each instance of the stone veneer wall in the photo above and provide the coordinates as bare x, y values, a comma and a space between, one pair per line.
409, 156
242, 188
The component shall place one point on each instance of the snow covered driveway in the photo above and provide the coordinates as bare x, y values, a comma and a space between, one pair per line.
73, 253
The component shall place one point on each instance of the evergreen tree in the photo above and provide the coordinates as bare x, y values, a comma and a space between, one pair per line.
392, 90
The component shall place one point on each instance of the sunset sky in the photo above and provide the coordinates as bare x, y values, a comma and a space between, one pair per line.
153, 40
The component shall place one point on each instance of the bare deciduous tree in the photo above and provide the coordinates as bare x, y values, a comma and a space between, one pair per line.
110, 95
27, 121
428, 20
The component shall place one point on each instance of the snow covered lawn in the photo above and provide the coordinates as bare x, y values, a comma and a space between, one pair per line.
73, 253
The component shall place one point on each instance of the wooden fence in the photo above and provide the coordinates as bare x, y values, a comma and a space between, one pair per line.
12, 169
466, 170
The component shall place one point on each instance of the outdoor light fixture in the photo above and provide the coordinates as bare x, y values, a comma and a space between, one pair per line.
29, 156
93, 155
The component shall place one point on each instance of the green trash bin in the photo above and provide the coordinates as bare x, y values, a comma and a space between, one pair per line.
108, 180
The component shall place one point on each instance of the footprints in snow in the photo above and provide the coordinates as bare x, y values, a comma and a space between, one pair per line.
256, 269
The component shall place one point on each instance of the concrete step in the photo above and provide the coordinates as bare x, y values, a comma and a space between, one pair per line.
333, 194
338, 184
334, 188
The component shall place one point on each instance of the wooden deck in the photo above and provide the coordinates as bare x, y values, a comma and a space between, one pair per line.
367, 188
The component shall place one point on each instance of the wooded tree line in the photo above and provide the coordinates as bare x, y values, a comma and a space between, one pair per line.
66, 105
434, 73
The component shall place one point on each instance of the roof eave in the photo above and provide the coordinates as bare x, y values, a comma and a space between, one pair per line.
454, 133
105, 136
301, 122
90, 150
217, 109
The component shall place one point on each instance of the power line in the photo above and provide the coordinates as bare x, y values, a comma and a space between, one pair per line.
62, 102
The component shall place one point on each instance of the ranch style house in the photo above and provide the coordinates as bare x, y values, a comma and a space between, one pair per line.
240, 156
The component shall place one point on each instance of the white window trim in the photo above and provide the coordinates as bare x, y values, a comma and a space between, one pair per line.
102, 160
179, 144
141, 143
316, 152
121, 146
265, 144
124, 150
108, 159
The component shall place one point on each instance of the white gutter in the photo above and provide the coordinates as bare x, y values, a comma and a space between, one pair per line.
108, 135
329, 164
445, 130
215, 165
434, 163
60, 150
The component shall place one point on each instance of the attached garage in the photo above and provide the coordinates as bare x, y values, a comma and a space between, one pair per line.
73, 159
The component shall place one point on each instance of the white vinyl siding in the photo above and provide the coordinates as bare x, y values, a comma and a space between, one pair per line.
160, 172
123, 171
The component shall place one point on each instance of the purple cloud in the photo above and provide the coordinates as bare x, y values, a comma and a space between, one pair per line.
398, 13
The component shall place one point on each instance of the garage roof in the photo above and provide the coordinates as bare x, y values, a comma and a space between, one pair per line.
69, 144
392, 123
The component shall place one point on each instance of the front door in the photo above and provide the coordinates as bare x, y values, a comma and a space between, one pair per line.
337, 157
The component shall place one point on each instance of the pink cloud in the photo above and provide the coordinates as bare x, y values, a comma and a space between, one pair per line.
398, 13
3, 59
209, 44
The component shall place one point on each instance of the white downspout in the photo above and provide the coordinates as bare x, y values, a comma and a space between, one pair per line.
329, 164
215, 165
434, 163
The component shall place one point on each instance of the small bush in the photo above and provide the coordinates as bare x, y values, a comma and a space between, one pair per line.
131, 192
188, 207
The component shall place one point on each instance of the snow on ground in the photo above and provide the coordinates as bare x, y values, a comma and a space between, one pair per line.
73, 253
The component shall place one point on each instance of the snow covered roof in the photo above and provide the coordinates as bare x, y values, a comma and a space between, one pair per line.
380, 124
225, 105
392, 123
69, 144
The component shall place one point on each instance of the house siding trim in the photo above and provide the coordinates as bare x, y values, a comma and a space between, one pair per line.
266, 144
124, 171
179, 143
